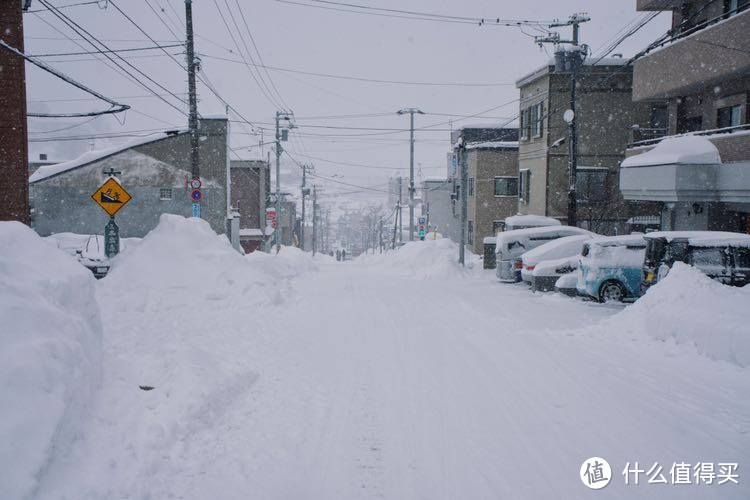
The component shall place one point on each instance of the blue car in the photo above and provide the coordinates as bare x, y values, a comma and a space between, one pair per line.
609, 268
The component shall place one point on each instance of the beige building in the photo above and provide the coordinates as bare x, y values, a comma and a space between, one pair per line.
492, 188
605, 115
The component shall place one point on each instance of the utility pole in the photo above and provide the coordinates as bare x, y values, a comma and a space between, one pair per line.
464, 202
411, 112
14, 152
315, 219
281, 135
573, 60
304, 192
193, 100
400, 204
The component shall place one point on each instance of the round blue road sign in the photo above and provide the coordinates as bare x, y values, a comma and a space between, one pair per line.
196, 195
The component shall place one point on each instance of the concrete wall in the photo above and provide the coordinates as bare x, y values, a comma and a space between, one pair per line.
695, 61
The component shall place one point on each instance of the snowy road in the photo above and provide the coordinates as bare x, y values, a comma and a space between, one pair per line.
359, 381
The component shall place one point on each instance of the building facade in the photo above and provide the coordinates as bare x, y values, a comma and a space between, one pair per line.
605, 115
155, 172
250, 181
492, 190
701, 73
440, 208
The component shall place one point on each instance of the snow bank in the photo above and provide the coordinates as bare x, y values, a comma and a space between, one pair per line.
289, 262
50, 358
183, 261
692, 309
427, 259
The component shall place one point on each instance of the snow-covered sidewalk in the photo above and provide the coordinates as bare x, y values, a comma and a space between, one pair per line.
280, 377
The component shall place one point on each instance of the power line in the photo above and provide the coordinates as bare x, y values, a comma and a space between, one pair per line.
132, 49
90, 2
360, 79
260, 85
394, 13
116, 107
79, 30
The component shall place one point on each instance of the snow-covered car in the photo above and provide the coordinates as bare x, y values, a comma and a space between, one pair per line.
546, 273
527, 221
567, 283
568, 246
91, 256
609, 269
722, 256
512, 244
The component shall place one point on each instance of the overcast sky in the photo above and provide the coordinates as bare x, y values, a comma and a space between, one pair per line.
317, 40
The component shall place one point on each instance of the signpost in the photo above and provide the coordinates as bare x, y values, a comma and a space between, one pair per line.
111, 196
422, 224
196, 195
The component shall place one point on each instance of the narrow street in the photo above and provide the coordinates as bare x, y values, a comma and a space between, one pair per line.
375, 384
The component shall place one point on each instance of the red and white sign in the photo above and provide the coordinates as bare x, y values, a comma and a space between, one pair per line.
271, 217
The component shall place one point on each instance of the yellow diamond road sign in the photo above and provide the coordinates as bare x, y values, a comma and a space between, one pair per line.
111, 196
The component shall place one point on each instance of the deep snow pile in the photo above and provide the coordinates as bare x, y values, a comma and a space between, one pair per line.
289, 262
692, 309
427, 259
50, 358
183, 261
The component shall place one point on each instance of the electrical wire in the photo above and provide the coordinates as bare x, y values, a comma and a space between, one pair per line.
360, 79
80, 31
116, 107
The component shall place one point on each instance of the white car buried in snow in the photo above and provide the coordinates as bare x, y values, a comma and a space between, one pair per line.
561, 248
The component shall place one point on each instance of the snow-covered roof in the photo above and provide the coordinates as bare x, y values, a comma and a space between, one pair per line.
493, 145
685, 149
589, 61
531, 220
91, 156
435, 179
704, 238
630, 240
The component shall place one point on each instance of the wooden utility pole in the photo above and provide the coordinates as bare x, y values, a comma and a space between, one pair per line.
573, 60
193, 99
14, 153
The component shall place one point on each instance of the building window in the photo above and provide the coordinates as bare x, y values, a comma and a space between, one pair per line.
536, 120
506, 186
165, 193
524, 123
691, 124
524, 185
730, 116
591, 184
470, 233
498, 226
471, 186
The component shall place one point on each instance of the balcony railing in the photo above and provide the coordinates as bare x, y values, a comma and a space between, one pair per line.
650, 141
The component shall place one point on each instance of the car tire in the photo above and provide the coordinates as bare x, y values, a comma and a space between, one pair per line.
611, 291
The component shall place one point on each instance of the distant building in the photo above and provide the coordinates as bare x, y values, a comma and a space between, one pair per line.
250, 184
701, 77
439, 206
605, 115
492, 190
154, 171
